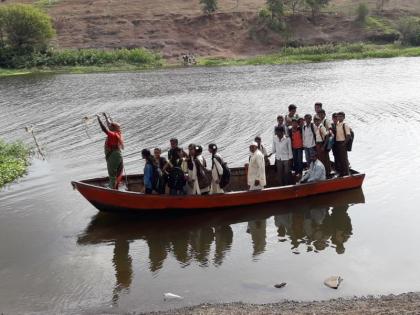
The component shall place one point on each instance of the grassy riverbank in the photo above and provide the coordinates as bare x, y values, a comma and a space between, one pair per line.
92, 62
14, 159
320, 53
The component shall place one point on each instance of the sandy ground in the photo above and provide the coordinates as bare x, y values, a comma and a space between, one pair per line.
408, 303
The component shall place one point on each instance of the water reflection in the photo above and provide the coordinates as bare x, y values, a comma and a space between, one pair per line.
312, 224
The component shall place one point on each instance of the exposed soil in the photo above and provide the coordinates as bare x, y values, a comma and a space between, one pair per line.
408, 303
178, 26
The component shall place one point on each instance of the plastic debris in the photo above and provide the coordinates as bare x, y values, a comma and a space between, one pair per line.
280, 285
171, 296
333, 282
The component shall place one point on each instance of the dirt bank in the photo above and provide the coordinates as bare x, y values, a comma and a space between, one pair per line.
178, 26
408, 303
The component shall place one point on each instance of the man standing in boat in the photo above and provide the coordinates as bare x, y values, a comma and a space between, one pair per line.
256, 168
342, 137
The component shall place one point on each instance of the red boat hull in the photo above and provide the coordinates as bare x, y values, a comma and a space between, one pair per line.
105, 199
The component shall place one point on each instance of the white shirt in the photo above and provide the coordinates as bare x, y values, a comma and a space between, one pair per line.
342, 130
256, 169
282, 148
308, 136
316, 172
320, 133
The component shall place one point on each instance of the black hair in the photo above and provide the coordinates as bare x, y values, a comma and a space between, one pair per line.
213, 146
292, 106
257, 138
318, 104
175, 140
279, 129
341, 114
322, 112
199, 149
146, 153
308, 115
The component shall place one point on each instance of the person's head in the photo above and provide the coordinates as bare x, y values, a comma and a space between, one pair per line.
253, 147
174, 143
301, 122
314, 156
191, 149
295, 123
157, 152
322, 114
308, 119
334, 118
280, 119
317, 120
145, 154
258, 140
292, 109
318, 107
212, 148
341, 116
115, 127
279, 132
198, 149
179, 153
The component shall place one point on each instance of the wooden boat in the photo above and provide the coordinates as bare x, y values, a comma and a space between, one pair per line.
236, 194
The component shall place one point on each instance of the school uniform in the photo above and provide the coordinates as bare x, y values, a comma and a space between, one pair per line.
342, 131
309, 144
216, 173
282, 148
321, 134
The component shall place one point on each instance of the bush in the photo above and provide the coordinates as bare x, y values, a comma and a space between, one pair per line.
209, 6
362, 12
410, 30
13, 161
25, 28
316, 6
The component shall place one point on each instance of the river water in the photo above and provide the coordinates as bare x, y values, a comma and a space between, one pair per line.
58, 255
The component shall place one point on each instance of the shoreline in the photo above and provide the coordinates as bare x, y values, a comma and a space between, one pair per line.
300, 55
406, 303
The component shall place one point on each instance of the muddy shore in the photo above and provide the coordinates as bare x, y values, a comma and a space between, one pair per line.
407, 303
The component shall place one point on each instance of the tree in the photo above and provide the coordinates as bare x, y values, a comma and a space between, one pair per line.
25, 28
316, 6
276, 9
362, 13
409, 28
293, 5
209, 6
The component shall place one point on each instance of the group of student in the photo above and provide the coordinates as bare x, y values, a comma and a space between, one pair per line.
314, 136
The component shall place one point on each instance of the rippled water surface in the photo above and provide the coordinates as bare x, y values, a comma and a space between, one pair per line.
58, 255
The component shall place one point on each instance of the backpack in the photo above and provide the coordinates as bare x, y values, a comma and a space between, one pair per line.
225, 178
176, 178
349, 144
203, 174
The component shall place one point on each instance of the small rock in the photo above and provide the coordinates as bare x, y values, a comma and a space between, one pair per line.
280, 285
171, 296
333, 282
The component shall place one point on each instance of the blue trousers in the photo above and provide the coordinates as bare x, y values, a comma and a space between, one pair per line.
298, 160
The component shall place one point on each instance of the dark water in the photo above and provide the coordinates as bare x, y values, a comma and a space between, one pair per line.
58, 255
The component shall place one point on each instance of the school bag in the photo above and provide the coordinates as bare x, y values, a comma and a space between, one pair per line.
349, 144
176, 178
225, 178
203, 175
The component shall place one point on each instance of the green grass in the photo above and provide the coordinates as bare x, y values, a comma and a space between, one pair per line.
320, 53
381, 24
14, 160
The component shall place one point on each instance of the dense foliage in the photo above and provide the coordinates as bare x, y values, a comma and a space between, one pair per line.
83, 57
410, 30
316, 6
13, 161
25, 28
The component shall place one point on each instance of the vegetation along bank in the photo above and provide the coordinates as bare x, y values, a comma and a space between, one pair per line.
14, 160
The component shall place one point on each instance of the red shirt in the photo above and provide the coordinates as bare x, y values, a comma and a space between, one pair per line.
297, 140
114, 140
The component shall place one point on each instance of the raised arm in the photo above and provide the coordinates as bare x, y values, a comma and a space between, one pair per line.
107, 119
101, 124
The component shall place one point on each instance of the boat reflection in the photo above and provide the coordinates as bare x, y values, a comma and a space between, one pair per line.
311, 224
